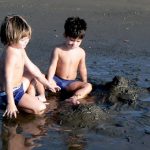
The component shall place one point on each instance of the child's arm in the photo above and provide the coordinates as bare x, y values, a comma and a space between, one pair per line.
82, 69
11, 109
52, 66
35, 71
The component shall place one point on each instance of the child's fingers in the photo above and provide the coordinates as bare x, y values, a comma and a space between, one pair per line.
10, 114
15, 114
52, 89
4, 113
58, 88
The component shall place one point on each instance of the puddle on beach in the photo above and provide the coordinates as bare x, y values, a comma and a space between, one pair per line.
127, 128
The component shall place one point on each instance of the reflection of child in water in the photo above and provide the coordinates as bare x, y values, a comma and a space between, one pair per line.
69, 58
16, 136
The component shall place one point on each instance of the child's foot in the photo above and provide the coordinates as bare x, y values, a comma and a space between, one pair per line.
41, 98
74, 100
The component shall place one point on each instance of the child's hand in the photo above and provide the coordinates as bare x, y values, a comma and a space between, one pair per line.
52, 82
55, 88
11, 111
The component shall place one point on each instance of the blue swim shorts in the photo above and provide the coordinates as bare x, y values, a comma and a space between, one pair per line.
62, 83
18, 92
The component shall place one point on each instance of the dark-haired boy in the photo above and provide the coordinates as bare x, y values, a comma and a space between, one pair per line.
69, 58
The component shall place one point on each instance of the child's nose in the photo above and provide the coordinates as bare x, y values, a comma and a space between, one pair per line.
74, 43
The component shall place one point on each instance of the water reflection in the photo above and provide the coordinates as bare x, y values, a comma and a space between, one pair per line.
25, 132
22, 133
76, 141
48, 132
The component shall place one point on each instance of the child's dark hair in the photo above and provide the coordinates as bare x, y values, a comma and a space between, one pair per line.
14, 28
75, 27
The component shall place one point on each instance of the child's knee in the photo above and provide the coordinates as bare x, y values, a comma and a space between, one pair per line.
40, 109
89, 86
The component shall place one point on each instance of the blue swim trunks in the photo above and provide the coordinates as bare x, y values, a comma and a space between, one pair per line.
18, 92
62, 83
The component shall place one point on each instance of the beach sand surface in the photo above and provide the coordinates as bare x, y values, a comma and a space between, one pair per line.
116, 43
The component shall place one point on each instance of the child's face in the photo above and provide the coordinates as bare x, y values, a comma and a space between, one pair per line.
73, 43
22, 43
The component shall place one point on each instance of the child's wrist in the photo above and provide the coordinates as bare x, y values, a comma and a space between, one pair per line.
51, 80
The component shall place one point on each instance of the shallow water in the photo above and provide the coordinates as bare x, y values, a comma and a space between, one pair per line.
116, 43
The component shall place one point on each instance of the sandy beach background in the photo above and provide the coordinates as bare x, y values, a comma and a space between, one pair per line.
117, 42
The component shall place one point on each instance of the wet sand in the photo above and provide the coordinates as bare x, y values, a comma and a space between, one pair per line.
116, 43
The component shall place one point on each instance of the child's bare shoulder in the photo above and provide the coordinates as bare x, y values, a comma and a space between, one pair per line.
81, 51
59, 47
11, 52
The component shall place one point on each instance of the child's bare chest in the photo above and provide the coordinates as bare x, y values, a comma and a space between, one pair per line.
20, 63
69, 58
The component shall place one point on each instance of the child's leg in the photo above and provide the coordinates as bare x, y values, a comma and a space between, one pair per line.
33, 87
26, 80
40, 91
81, 90
31, 104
